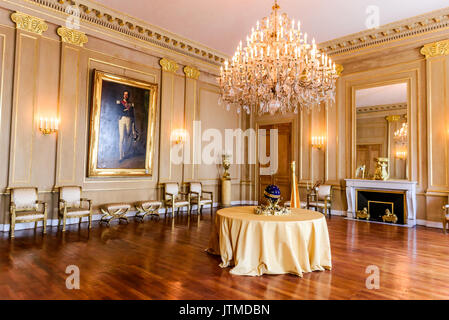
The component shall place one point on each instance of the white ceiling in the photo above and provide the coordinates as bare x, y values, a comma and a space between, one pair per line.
222, 24
376, 96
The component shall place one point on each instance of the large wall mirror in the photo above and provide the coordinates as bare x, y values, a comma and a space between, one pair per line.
382, 129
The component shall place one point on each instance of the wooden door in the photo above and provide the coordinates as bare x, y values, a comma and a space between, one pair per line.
282, 176
366, 155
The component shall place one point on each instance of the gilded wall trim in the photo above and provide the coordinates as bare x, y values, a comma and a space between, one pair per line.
169, 65
192, 72
436, 49
29, 23
72, 36
426, 23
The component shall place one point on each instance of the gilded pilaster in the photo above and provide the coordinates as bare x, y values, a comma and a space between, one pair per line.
192, 72
339, 69
72, 36
29, 23
436, 49
169, 65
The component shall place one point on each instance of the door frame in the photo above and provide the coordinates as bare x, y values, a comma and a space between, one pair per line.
293, 120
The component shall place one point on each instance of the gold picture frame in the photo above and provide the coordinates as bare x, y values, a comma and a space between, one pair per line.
102, 82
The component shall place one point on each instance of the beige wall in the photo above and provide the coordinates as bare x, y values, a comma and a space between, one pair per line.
41, 76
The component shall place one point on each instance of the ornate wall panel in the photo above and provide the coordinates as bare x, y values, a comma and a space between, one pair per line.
437, 63
172, 118
191, 114
24, 107
69, 101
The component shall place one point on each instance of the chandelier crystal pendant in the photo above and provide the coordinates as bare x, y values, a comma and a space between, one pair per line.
278, 70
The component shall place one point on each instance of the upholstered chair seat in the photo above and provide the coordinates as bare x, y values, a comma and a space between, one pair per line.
25, 207
197, 196
147, 208
321, 199
112, 211
71, 206
173, 198
29, 215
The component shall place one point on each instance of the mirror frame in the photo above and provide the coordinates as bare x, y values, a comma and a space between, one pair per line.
410, 149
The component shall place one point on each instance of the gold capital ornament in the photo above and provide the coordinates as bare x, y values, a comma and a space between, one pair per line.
339, 68
72, 36
29, 23
436, 49
169, 65
192, 72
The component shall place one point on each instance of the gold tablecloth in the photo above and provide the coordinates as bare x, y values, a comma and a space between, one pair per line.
257, 245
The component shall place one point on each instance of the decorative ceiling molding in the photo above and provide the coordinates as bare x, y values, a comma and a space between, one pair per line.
430, 22
436, 49
192, 72
29, 23
169, 65
101, 16
72, 36
384, 107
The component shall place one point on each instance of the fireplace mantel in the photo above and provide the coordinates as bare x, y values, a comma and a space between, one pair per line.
352, 185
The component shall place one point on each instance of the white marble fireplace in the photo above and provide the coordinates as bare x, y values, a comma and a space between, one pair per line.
352, 185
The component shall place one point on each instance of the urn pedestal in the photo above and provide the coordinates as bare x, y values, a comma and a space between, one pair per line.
226, 191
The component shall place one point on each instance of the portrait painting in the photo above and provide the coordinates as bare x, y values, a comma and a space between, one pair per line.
122, 131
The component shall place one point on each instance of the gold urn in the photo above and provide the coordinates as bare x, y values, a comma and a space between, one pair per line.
381, 172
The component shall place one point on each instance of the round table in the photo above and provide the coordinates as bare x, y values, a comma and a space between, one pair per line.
257, 245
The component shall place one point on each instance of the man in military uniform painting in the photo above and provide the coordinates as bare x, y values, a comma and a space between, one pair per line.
126, 124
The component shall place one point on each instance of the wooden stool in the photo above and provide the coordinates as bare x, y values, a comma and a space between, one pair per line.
114, 211
147, 208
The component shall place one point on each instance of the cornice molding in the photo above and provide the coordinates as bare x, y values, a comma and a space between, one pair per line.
192, 72
72, 36
429, 22
436, 49
108, 18
380, 108
169, 65
29, 23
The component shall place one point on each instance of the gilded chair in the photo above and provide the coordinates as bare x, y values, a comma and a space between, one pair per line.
175, 199
197, 196
71, 206
321, 199
446, 216
25, 207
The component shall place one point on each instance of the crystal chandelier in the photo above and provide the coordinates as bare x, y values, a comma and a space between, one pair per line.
400, 136
278, 70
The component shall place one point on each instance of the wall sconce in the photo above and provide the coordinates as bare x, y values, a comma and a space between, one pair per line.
402, 155
318, 142
48, 126
179, 136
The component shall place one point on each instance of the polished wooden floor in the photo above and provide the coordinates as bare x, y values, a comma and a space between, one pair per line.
161, 260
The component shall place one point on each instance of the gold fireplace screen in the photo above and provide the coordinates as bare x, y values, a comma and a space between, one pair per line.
390, 215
